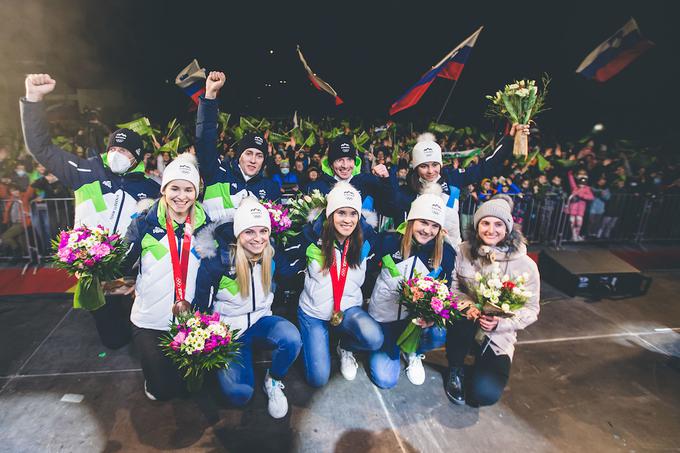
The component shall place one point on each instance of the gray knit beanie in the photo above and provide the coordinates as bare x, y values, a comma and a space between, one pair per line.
500, 206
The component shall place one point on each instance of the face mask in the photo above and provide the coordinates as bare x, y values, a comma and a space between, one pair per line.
284, 171
118, 163
21, 173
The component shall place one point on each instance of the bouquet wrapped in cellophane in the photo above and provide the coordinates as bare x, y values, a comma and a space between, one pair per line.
501, 294
519, 102
428, 301
94, 256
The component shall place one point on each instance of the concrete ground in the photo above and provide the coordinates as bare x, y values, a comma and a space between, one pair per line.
587, 377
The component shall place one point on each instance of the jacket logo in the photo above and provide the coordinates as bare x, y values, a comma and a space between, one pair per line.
263, 193
397, 255
107, 183
157, 230
141, 196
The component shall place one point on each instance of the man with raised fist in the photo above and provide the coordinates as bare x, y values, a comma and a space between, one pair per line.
108, 188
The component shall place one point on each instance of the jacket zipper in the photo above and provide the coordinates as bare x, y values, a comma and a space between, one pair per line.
120, 210
252, 290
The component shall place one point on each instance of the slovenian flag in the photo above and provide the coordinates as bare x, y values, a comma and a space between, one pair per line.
617, 52
318, 83
192, 81
449, 67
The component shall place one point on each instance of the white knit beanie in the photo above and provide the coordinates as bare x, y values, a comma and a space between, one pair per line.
428, 207
343, 195
183, 167
426, 150
500, 207
249, 214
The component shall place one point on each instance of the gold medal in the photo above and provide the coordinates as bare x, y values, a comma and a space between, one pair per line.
336, 319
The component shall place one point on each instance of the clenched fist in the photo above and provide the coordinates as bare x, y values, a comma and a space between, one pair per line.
38, 85
213, 83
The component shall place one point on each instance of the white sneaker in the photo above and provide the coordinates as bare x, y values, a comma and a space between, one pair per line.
415, 372
278, 404
148, 394
348, 364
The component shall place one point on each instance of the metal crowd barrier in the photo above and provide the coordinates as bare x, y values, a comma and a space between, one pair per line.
10, 235
627, 218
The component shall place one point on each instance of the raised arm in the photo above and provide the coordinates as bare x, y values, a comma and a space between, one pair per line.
206, 127
68, 167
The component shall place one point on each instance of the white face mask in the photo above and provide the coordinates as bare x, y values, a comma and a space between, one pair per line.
118, 163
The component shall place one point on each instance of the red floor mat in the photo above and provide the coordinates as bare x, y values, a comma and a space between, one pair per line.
45, 281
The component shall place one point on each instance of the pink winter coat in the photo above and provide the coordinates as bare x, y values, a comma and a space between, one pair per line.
576, 205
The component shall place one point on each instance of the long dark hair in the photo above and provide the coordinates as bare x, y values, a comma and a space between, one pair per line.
328, 239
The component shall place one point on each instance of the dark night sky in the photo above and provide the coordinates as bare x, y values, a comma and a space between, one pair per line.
371, 53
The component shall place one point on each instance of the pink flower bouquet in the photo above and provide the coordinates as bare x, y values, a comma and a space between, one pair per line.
281, 222
197, 343
93, 255
428, 301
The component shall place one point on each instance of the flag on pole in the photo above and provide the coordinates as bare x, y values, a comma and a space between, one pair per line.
449, 67
192, 81
318, 83
617, 52
295, 120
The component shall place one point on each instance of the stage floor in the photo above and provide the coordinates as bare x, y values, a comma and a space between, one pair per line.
588, 376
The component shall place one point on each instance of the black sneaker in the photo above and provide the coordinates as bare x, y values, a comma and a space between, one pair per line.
455, 388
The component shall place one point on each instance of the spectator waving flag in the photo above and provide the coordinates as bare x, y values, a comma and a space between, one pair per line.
617, 52
316, 80
192, 81
449, 67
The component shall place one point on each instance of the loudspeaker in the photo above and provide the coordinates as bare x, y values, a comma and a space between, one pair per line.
592, 273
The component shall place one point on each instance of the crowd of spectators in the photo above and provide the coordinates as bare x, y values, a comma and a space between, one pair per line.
589, 182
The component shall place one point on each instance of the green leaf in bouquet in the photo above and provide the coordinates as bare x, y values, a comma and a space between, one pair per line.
511, 108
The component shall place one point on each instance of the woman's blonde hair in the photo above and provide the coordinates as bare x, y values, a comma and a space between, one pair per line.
242, 263
407, 241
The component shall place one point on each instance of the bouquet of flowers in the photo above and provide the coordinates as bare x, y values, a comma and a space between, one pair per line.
281, 222
427, 301
519, 103
93, 255
197, 343
302, 209
501, 295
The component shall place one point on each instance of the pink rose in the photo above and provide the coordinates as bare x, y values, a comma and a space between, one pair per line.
436, 304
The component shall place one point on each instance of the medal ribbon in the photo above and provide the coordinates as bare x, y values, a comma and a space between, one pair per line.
179, 267
338, 281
